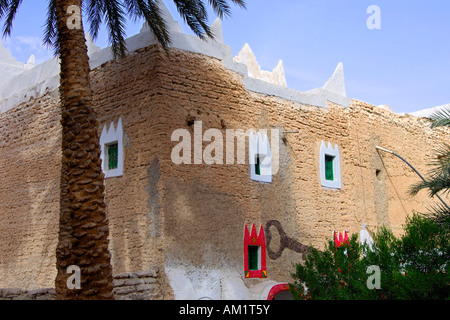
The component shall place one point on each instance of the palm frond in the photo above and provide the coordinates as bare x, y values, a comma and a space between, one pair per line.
240, 3
434, 185
441, 162
220, 7
416, 188
439, 212
441, 118
51, 33
95, 10
150, 11
439, 175
4, 4
115, 23
194, 14
10, 9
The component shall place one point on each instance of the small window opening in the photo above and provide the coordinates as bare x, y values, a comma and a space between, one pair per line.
329, 172
258, 165
378, 174
253, 257
113, 160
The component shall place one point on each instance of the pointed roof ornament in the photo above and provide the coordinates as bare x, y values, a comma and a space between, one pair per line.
336, 83
92, 47
171, 23
247, 57
31, 63
217, 30
278, 74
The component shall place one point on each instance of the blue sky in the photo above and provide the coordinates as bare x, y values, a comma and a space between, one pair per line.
405, 64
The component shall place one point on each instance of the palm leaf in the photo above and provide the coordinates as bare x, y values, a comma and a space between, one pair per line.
4, 4
442, 161
95, 10
115, 21
10, 9
439, 212
441, 118
194, 14
439, 175
150, 11
50, 33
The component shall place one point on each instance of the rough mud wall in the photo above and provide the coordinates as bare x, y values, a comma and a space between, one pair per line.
128, 90
29, 193
206, 206
188, 220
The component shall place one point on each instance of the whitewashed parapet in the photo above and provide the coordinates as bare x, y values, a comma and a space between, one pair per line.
44, 78
34, 82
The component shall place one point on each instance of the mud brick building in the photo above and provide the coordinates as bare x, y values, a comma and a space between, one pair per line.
217, 231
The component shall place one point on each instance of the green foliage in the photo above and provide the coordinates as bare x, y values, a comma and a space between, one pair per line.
413, 266
439, 180
335, 273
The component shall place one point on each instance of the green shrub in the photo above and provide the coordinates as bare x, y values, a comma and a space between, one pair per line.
413, 266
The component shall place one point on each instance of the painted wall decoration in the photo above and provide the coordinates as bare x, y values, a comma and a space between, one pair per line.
285, 242
340, 238
277, 289
254, 253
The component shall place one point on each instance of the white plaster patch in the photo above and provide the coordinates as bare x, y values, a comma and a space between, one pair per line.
260, 146
194, 283
365, 237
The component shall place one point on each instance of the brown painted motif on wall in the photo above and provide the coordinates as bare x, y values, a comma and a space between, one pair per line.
285, 242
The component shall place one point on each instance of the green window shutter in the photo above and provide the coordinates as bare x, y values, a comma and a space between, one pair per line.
258, 165
329, 174
113, 151
253, 257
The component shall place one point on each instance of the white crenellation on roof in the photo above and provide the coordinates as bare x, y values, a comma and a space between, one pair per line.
20, 82
426, 113
247, 57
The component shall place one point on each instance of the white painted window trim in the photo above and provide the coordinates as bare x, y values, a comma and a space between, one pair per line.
330, 150
260, 145
109, 136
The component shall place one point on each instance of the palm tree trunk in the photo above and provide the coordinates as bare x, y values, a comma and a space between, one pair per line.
83, 233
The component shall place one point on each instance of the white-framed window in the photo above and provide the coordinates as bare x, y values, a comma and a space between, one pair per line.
111, 144
330, 166
260, 157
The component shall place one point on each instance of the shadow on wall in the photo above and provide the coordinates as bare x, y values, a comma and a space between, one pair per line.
29, 191
202, 226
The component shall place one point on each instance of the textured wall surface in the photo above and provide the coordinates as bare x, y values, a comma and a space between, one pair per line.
29, 194
142, 285
188, 220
